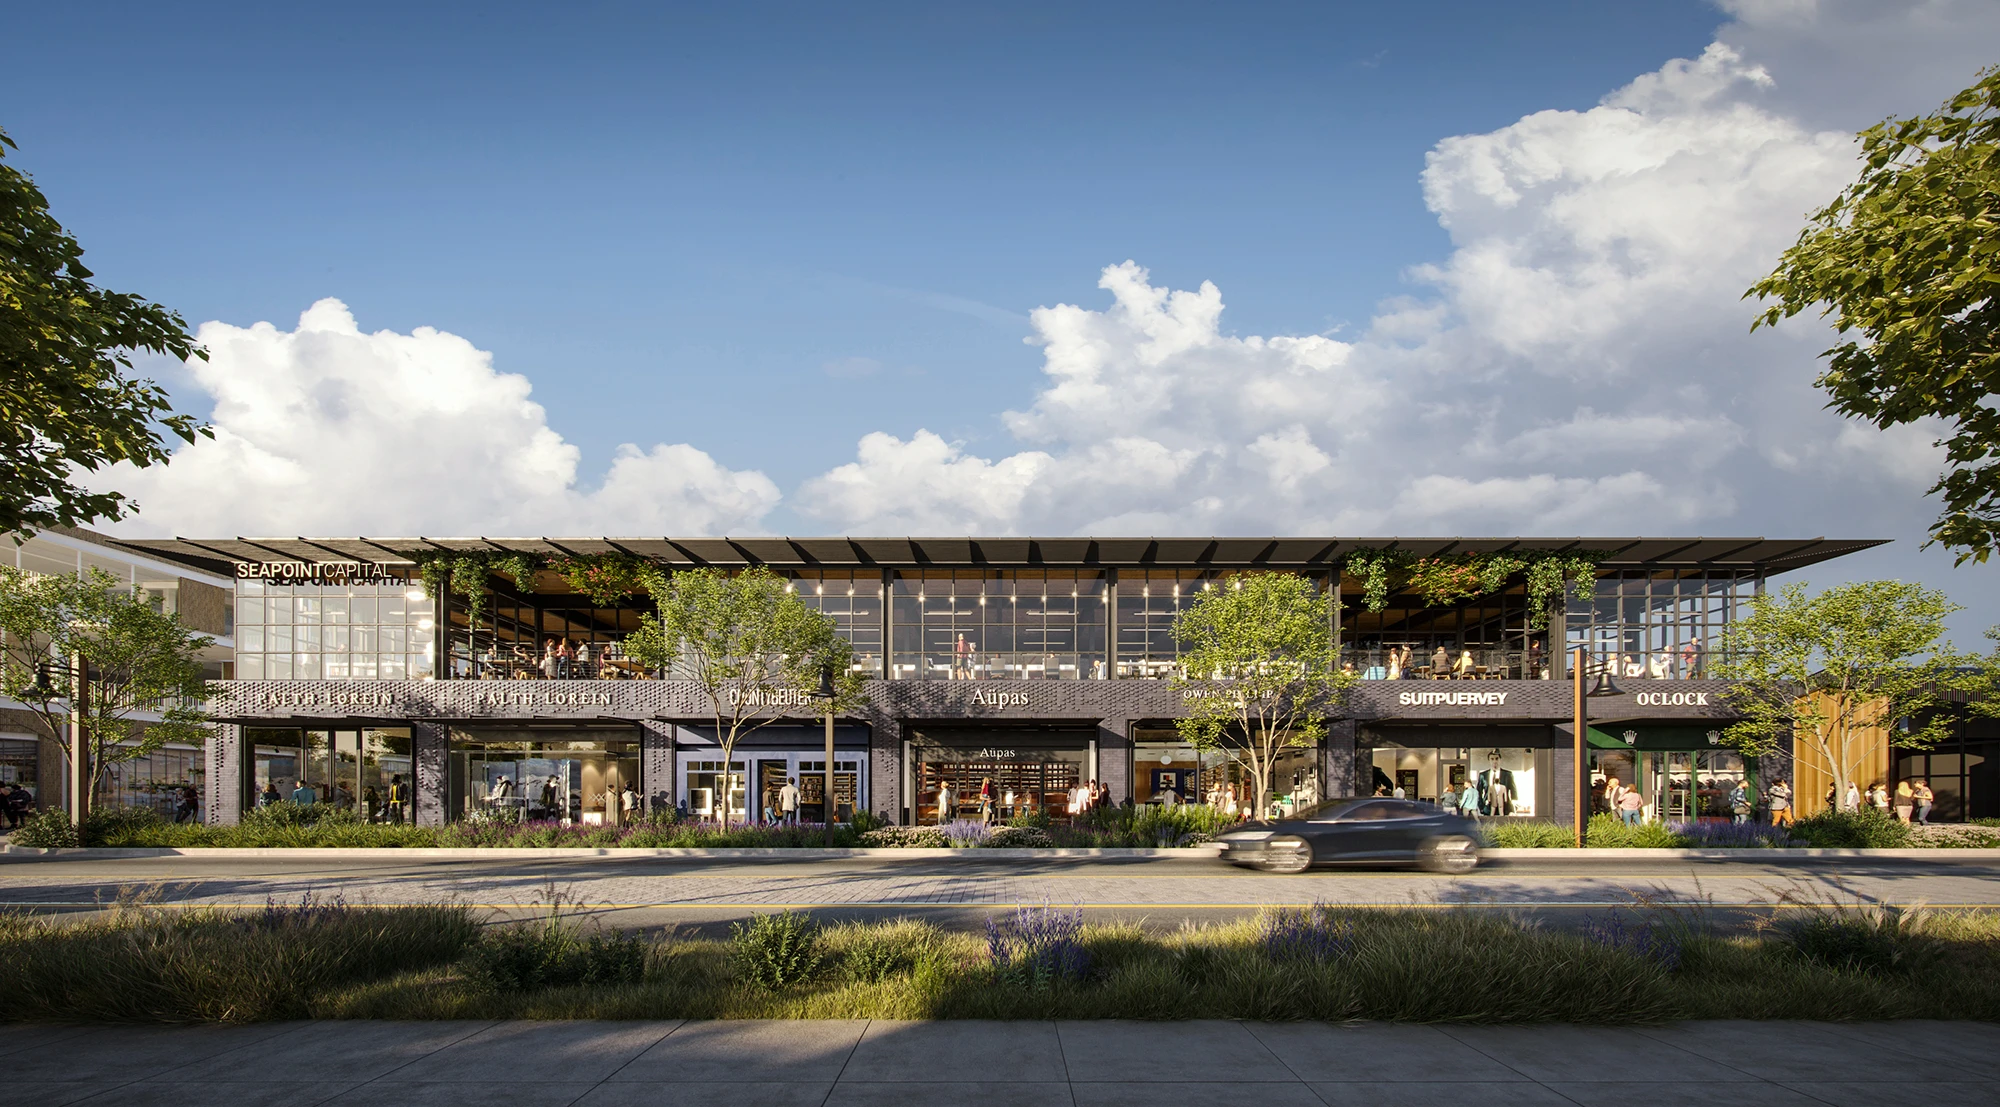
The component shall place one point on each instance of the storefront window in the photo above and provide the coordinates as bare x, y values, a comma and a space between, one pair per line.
152, 780
1504, 781
1030, 773
1215, 777
353, 769
515, 776
708, 787
19, 764
332, 631
1002, 625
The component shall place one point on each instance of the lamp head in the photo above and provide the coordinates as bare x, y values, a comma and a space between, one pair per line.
1605, 686
825, 689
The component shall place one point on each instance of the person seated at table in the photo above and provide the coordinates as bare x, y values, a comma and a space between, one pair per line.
1660, 667
1440, 661
1464, 666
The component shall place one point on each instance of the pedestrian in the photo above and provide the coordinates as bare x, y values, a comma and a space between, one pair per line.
788, 802
1631, 807
986, 801
628, 803
1399, 793
1878, 798
399, 797
184, 801
270, 796
770, 804
371, 800
10, 805
1613, 791
1449, 802
1468, 800
1906, 801
304, 796
1780, 797
1850, 801
1739, 803
1925, 798
946, 806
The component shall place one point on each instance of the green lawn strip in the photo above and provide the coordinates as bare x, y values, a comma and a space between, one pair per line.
319, 960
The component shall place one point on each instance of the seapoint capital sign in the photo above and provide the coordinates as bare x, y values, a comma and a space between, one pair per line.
320, 572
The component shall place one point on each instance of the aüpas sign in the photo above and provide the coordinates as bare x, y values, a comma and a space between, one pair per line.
1452, 699
1671, 699
1000, 699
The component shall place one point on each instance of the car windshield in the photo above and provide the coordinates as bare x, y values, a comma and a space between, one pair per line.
1371, 810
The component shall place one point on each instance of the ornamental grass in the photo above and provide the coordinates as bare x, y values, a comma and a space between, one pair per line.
1643, 964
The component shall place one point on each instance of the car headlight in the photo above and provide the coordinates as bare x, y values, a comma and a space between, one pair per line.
1246, 836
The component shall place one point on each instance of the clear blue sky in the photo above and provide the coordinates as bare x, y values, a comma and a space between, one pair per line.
672, 218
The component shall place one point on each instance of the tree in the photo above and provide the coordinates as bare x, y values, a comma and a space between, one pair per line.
1832, 670
1257, 671
753, 647
66, 403
1907, 261
134, 659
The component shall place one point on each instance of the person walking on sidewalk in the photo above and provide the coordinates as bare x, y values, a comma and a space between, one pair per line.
1906, 801
947, 805
788, 802
1925, 798
1781, 803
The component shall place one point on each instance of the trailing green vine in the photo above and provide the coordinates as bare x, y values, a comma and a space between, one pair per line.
1451, 579
606, 578
464, 574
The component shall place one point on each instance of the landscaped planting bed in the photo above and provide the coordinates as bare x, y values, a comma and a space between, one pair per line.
331, 960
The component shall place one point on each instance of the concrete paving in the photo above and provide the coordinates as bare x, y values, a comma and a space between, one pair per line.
1020, 1064
708, 893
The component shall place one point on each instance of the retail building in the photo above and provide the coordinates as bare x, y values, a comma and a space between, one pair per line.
1036, 662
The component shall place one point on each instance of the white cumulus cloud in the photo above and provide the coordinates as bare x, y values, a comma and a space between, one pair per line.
325, 429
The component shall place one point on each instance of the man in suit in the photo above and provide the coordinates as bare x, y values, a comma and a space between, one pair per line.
1496, 788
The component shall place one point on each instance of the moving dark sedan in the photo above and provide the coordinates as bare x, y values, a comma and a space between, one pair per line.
1358, 832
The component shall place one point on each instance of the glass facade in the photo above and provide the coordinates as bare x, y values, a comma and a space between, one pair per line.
353, 769
1661, 624
518, 775
333, 631
853, 600
1162, 762
980, 625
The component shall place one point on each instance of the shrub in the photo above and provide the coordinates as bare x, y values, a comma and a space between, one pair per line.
1019, 837
1526, 834
50, 829
1863, 829
554, 952
1312, 933
1849, 944
963, 833
776, 951
1038, 946
1721, 835
1954, 836
906, 837
1608, 831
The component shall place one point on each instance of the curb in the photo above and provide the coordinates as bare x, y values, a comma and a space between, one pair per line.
497, 853
502, 853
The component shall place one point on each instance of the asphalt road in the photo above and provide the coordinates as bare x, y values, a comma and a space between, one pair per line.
706, 894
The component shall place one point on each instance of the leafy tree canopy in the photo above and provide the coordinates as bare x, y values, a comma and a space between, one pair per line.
136, 659
66, 402
1906, 262
1257, 673
753, 647
1831, 669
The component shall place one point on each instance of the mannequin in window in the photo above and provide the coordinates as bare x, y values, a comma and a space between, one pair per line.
1496, 787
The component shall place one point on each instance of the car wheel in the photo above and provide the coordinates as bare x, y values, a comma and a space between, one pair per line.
1287, 855
1452, 854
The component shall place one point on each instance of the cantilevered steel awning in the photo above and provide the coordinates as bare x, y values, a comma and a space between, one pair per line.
1773, 555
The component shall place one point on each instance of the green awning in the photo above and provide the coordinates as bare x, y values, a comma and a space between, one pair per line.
1653, 737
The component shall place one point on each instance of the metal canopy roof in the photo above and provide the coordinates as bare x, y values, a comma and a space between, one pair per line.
1770, 554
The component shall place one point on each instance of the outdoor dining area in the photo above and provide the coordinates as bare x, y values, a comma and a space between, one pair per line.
1411, 662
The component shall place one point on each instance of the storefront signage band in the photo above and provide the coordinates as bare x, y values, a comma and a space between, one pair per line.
1671, 699
318, 572
1452, 699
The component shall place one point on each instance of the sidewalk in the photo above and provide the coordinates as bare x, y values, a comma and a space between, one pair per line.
1027, 1064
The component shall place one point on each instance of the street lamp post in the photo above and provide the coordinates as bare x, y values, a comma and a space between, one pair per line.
1580, 728
825, 692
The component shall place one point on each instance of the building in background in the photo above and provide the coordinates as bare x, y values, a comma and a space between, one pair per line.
204, 599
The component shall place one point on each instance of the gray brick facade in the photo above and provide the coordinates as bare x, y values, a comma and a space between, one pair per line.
890, 710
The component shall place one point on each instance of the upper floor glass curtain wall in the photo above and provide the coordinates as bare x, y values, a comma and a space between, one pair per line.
1022, 624
1659, 624
368, 631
